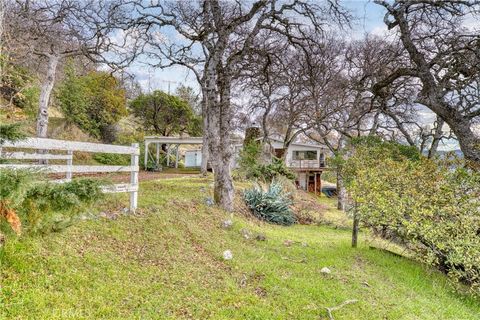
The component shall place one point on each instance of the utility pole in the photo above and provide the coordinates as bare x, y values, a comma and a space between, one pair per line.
168, 82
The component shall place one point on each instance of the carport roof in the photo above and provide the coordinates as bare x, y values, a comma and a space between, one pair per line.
173, 140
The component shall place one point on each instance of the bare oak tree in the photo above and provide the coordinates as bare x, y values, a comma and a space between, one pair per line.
444, 57
213, 38
275, 84
396, 115
52, 31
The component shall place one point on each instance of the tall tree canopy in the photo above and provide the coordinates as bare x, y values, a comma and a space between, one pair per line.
191, 97
49, 32
95, 102
165, 114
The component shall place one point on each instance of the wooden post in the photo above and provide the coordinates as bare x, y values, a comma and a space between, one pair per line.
320, 182
176, 157
69, 165
134, 179
356, 223
306, 180
168, 155
146, 156
157, 155
315, 178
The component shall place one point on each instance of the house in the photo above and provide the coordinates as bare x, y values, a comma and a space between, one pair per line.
306, 161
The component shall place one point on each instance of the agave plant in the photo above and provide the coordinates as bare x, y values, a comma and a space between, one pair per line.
271, 204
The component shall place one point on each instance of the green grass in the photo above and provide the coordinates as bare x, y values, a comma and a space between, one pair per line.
181, 170
165, 263
331, 215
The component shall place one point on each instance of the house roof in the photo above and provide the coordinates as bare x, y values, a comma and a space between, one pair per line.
313, 146
199, 140
173, 140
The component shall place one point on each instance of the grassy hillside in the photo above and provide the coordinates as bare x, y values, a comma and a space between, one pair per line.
58, 127
166, 263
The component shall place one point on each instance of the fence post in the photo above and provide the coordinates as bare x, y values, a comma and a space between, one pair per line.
176, 156
146, 156
157, 156
168, 155
69, 164
355, 227
134, 178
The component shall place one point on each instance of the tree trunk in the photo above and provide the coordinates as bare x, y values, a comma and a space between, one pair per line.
437, 136
460, 125
223, 187
203, 106
219, 145
224, 192
217, 131
204, 166
2, 16
267, 149
287, 141
46, 90
356, 225
267, 153
341, 191
469, 143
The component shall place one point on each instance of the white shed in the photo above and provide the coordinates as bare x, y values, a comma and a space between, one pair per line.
193, 158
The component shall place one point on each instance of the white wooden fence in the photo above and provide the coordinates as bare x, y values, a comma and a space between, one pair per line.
68, 148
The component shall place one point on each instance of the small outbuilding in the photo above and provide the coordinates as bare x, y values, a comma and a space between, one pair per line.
172, 146
193, 158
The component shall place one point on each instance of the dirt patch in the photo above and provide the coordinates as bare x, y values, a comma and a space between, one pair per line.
260, 292
307, 209
125, 177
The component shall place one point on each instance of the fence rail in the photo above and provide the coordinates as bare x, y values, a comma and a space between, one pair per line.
69, 168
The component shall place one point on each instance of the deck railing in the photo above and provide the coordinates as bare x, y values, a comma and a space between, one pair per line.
67, 148
307, 164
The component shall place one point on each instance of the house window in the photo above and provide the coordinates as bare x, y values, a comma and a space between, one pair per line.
305, 155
